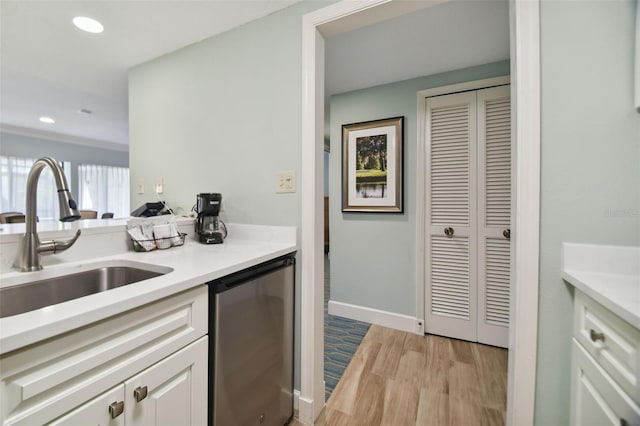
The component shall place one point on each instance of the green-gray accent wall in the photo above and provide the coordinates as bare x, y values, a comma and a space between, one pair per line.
590, 166
373, 255
224, 115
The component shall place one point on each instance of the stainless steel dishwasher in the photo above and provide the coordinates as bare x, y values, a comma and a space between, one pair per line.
251, 352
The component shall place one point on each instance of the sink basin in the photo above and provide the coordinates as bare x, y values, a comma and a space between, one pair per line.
41, 292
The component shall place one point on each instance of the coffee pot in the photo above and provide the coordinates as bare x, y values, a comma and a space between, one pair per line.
209, 227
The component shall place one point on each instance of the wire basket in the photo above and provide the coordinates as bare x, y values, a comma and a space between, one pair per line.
158, 243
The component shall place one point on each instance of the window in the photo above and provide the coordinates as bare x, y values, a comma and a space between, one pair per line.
13, 186
104, 189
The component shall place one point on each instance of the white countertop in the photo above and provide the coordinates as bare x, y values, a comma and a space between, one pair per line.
608, 274
193, 264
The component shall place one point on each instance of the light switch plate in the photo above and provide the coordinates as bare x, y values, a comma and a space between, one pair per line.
286, 182
141, 186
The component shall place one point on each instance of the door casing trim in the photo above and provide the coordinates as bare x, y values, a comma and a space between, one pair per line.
524, 23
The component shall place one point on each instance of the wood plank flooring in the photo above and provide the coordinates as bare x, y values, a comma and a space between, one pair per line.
397, 378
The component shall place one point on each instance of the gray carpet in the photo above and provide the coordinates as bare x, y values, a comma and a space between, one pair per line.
342, 337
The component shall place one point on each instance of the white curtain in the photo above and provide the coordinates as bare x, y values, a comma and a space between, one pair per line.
104, 189
13, 186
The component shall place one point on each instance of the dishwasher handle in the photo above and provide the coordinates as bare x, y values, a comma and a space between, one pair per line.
230, 281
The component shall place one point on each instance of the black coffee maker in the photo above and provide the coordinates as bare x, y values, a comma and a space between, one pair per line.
210, 229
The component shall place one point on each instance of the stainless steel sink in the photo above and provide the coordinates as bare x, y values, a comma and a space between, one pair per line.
20, 298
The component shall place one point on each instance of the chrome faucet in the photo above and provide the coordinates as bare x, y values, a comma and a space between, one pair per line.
28, 258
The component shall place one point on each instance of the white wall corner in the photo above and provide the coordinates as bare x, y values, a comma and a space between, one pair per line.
525, 94
637, 63
311, 400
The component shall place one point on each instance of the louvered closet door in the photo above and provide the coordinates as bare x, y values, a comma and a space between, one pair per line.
494, 214
451, 205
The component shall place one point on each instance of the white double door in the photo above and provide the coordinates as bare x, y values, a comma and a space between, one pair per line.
467, 212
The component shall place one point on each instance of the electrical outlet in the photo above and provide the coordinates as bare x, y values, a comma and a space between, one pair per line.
286, 182
159, 185
141, 186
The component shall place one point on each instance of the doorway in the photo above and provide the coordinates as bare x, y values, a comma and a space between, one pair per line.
345, 16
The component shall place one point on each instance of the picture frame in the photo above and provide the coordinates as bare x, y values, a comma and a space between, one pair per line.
372, 166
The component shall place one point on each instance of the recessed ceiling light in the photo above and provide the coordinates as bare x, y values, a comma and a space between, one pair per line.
88, 24
47, 120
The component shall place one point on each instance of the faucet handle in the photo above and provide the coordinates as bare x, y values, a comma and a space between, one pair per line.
53, 246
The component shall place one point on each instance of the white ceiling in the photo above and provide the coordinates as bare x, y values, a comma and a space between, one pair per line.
449, 36
48, 67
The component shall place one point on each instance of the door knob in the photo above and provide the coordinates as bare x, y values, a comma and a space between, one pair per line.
116, 408
507, 233
140, 393
448, 231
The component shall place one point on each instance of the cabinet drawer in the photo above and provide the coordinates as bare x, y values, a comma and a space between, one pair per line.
596, 399
45, 380
94, 412
612, 342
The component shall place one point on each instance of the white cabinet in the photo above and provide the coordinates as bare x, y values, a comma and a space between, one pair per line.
605, 367
95, 412
74, 378
172, 392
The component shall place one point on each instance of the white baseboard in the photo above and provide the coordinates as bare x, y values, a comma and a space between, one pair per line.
306, 409
373, 316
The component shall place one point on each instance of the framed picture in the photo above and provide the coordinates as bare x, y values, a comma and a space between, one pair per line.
372, 166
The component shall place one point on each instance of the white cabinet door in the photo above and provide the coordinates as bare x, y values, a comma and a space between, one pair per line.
450, 305
171, 392
97, 411
596, 400
494, 215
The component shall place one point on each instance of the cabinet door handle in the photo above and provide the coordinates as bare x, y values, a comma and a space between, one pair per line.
595, 336
448, 231
507, 233
116, 408
140, 393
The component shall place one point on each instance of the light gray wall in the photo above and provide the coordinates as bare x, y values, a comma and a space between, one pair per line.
590, 166
33, 147
224, 115
373, 258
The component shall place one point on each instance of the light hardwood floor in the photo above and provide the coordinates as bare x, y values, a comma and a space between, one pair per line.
398, 378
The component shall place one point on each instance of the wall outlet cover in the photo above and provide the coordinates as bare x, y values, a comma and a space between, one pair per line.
159, 185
